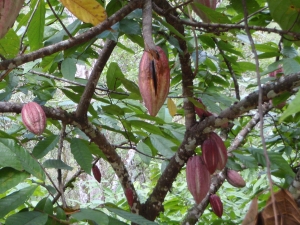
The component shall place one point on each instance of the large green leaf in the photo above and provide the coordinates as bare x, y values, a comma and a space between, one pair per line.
45, 146
292, 108
27, 218
8, 158
162, 145
90, 214
113, 73
37, 25
27, 162
57, 164
12, 201
68, 69
45, 206
130, 216
10, 177
9, 44
151, 128
145, 152
129, 26
82, 155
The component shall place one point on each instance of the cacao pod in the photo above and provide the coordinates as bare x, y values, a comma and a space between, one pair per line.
216, 205
129, 196
235, 179
222, 151
202, 112
34, 118
96, 173
208, 3
9, 10
210, 154
154, 80
198, 178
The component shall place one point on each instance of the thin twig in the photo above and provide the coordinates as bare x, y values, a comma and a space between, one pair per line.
260, 108
61, 23
252, 14
59, 152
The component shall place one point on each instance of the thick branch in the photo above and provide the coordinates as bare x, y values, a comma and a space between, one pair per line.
82, 108
79, 39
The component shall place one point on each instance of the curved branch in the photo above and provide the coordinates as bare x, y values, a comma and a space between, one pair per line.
83, 106
79, 39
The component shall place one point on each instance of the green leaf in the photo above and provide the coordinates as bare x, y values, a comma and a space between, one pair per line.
57, 164
8, 158
145, 152
10, 177
112, 7
45, 146
82, 154
129, 50
113, 110
36, 26
68, 69
213, 16
113, 73
130, 86
292, 108
136, 39
9, 44
162, 145
45, 205
90, 214
130, 216
129, 26
12, 201
151, 128
27, 162
290, 66
247, 160
27, 218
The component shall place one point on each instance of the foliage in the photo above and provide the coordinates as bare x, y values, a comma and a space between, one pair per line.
85, 78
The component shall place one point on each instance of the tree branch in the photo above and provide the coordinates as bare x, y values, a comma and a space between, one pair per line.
85, 100
79, 39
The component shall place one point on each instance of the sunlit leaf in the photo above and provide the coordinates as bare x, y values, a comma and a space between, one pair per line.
89, 11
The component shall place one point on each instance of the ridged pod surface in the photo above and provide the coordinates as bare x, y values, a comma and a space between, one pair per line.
198, 178
154, 80
235, 179
222, 151
216, 205
96, 173
210, 154
34, 118
9, 10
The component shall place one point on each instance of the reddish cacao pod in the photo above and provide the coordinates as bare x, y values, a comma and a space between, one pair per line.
208, 3
34, 118
129, 196
9, 10
216, 205
154, 80
198, 178
222, 151
202, 112
210, 155
277, 73
96, 173
235, 179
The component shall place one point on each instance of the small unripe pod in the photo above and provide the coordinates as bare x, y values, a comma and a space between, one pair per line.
129, 196
96, 173
216, 205
235, 179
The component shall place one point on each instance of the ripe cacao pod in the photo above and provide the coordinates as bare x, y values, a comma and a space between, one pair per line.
202, 112
222, 151
9, 10
129, 196
96, 173
210, 154
198, 178
208, 3
216, 205
34, 118
154, 80
235, 179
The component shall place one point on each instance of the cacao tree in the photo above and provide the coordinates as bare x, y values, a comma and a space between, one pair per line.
146, 111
